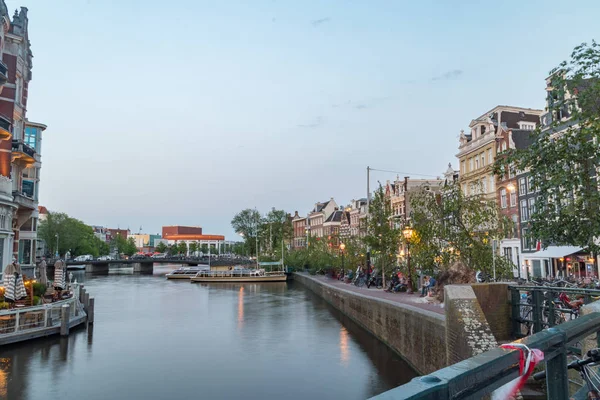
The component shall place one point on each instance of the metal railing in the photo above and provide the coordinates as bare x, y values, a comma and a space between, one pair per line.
481, 375
535, 308
44, 316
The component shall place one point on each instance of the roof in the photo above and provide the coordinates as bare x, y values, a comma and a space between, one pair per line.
42, 210
554, 252
320, 206
335, 216
195, 237
521, 138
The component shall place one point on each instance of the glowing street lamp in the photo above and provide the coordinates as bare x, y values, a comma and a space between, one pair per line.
342, 248
408, 234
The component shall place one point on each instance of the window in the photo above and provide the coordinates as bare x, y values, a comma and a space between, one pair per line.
490, 158
508, 253
492, 183
503, 198
483, 186
530, 184
515, 221
511, 171
464, 189
525, 239
462, 167
522, 186
470, 164
476, 162
524, 210
482, 130
31, 137
531, 207
25, 251
528, 126
482, 160
513, 198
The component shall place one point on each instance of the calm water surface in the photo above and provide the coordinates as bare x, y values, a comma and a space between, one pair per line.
158, 339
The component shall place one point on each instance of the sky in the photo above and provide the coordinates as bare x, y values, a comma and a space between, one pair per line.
186, 112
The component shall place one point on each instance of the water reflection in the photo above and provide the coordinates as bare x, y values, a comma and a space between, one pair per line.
156, 339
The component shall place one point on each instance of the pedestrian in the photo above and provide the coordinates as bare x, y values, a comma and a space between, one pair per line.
425, 286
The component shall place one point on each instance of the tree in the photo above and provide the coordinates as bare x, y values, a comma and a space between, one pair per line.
204, 248
161, 247
382, 234
73, 235
182, 248
247, 223
563, 158
450, 227
193, 248
130, 247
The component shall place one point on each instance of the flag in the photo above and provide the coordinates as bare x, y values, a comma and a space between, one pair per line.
538, 245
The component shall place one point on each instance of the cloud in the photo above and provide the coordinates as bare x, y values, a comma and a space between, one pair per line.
320, 21
453, 74
360, 106
318, 121
363, 104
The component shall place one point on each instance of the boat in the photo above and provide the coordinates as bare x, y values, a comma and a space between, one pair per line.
77, 267
187, 272
241, 274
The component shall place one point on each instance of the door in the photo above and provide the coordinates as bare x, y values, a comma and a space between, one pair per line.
537, 268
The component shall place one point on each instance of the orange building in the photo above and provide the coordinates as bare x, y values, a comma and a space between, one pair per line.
192, 234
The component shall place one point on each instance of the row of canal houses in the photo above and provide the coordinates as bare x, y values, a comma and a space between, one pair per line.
489, 134
20, 144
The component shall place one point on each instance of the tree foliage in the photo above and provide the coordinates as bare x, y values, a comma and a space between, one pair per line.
450, 227
124, 246
73, 236
382, 233
247, 224
160, 247
563, 159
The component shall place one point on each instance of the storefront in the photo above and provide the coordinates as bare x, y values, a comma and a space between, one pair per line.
560, 261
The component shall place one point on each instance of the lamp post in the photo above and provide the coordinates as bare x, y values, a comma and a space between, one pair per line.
408, 232
342, 247
511, 189
57, 255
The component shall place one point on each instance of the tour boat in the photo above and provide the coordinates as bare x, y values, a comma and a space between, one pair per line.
241, 274
187, 272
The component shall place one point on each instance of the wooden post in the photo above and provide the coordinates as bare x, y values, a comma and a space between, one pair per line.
81, 291
90, 312
64, 320
47, 317
86, 301
17, 321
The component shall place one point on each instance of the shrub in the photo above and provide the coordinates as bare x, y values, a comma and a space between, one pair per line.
36, 300
4, 305
39, 289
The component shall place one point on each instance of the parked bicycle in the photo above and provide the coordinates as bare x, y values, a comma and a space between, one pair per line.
589, 376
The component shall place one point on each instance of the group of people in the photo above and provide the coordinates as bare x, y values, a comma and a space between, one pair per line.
399, 283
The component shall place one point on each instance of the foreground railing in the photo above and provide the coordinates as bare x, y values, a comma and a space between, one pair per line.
480, 375
535, 308
43, 316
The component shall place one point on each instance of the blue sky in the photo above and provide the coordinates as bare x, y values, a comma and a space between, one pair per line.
184, 112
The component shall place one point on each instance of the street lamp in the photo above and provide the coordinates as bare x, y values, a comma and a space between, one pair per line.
408, 233
57, 255
342, 248
510, 187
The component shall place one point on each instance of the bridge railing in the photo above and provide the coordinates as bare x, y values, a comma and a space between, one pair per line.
481, 375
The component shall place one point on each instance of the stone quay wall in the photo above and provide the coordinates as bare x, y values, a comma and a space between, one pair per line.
417, 335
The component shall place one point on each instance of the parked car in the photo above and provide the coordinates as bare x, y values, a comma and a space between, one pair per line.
159, 255
105, 258
86, 257
138, 256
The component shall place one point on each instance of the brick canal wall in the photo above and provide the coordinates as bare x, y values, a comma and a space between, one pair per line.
418, 335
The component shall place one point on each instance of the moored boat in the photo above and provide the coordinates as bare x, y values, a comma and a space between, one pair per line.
187, 272
240, 274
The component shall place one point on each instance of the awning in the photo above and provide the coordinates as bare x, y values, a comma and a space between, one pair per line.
554, 252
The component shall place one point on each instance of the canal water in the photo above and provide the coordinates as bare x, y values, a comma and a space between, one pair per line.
158, 339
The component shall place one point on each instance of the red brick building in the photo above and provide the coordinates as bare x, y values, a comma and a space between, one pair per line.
180, 230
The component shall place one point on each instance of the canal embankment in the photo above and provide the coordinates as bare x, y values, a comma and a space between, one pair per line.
428, 336
416, 334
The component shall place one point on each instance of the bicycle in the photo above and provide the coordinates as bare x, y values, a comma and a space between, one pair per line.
586, 373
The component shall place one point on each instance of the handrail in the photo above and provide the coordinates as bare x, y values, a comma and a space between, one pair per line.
556, 289
486, 372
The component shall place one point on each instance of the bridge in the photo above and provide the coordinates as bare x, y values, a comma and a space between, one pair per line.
146, 265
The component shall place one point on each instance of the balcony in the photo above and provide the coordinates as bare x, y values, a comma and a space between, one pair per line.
3, 73
22, 153
24, 201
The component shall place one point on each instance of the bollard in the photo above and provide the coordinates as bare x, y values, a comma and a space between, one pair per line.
86, 301
90, 312
64, 320
81, 291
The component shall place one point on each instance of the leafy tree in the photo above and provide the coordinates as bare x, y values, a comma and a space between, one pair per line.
161, 247
193, 247
382, 235
73, 236
120, 244
247, 223
563, 159
182, 248
450, 227
130, 247
204, 248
